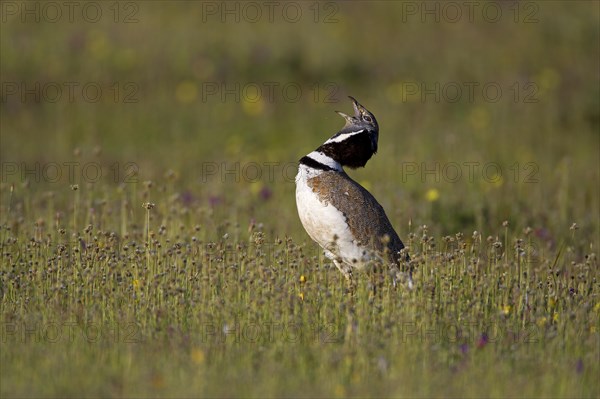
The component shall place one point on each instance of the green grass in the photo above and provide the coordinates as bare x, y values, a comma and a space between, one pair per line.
189, 316
216, 290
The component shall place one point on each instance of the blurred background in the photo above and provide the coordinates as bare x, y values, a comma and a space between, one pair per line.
487, 111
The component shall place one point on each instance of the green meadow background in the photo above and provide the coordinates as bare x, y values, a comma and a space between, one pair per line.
488, 167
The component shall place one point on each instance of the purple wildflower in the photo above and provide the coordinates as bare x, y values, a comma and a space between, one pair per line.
483, 341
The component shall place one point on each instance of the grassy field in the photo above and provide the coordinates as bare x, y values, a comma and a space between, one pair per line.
149, 238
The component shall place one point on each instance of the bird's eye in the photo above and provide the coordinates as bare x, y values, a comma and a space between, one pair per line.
367, 118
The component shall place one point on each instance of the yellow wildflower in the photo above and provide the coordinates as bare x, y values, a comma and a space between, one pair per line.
542, 321
432, 195
198, 356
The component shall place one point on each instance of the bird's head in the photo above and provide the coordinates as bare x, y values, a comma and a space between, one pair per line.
362, 119
354, 145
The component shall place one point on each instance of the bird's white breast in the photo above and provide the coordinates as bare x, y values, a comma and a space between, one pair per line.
325, 224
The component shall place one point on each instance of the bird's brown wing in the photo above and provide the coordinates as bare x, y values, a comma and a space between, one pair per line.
372, 229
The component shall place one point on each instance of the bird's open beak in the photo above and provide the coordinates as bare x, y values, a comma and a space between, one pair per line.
343, 115
358, 109
346, 117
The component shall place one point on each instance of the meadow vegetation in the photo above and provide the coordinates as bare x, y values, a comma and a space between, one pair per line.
149, 239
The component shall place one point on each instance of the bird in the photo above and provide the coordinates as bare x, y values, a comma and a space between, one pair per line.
337, 212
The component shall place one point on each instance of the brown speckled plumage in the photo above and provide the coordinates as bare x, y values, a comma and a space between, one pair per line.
369, 223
